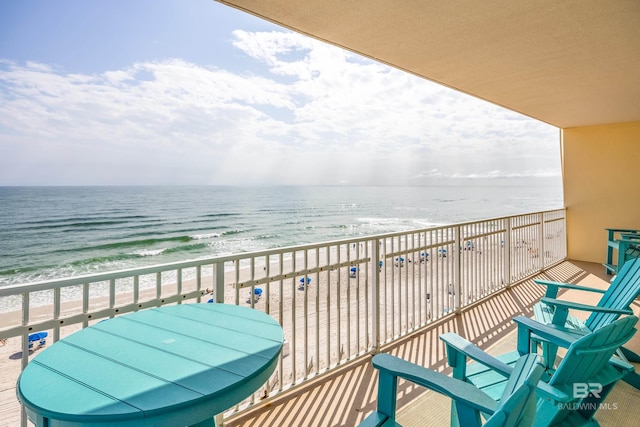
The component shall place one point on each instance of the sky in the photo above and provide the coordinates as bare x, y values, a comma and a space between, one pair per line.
194, 92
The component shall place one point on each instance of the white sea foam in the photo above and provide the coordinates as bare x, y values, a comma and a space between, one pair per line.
419, 223
149, 252
205, 236
379, 221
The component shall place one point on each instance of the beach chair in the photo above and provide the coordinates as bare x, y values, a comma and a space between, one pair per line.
39, 337
304, 283
210, 292
254, 295
516, 406
615, 302
569, 393
628, 249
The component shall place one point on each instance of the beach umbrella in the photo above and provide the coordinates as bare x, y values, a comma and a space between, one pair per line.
302, 280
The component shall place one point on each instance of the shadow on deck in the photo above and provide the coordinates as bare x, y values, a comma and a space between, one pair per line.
345, 397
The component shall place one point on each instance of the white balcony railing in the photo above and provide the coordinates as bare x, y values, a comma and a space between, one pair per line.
336, 300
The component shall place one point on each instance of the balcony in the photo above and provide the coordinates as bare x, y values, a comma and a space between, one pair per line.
346, 396
338, 303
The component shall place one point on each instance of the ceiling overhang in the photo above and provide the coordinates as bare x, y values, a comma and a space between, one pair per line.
568, 63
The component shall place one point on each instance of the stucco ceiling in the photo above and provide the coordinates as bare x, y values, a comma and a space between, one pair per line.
568, 63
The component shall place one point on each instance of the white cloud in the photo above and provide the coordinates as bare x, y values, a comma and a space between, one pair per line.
316, 114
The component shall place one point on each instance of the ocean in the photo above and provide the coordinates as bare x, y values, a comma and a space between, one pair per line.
54, 232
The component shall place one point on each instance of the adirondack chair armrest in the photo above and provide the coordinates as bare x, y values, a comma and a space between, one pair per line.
621, 364
622, 230
583, 307
554, 287
630, 236
529, 328
630, 241
456, 346
547, 391
458, 390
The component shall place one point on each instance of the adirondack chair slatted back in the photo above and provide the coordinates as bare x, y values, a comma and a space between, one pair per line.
589, 355
624, 289
518, 401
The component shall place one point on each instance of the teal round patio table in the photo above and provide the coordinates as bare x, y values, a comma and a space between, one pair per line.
176, 365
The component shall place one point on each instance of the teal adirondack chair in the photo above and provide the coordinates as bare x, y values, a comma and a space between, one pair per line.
626, 242
628, 249
561, 395
615, 301
515, 407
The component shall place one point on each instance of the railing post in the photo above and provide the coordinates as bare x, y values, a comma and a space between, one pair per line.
564, 230
375, 295
25, 350
25, 336
541, 242
85, 303
507, 252
112, 295
56, 313
457, 265
179, 283
218, 282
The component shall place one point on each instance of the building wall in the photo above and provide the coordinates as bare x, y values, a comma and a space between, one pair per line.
601, 180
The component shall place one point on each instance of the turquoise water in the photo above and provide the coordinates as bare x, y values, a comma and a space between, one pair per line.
51, 232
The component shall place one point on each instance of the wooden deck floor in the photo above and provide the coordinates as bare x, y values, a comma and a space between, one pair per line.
345, 397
